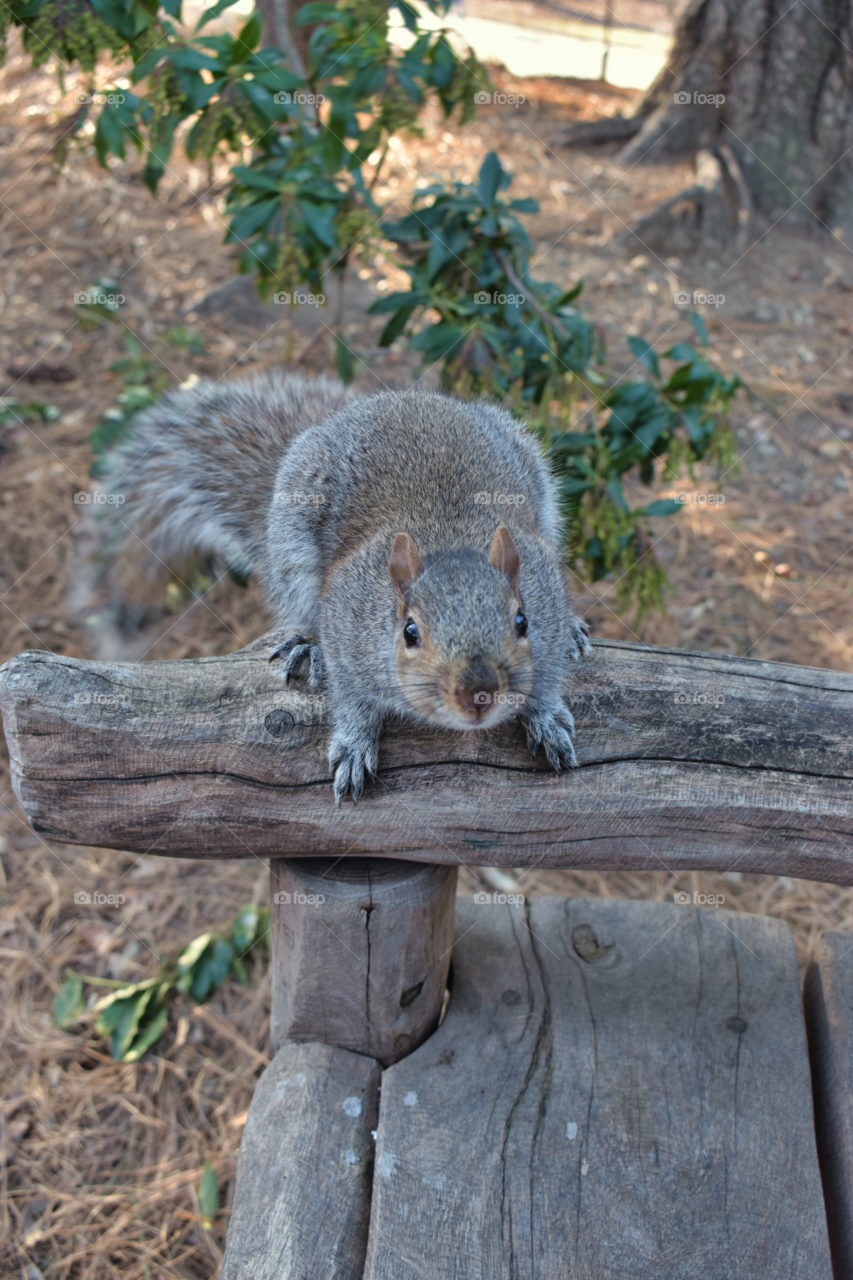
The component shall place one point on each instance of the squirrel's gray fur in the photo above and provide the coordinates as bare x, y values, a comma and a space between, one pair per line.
369, 519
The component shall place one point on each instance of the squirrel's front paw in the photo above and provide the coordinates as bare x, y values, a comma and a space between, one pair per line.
552, 727
294, 652
352, 753
579, 642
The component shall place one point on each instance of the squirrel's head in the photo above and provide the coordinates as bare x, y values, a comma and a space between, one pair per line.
462, 652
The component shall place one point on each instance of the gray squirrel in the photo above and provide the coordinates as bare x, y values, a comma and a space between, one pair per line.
409, 542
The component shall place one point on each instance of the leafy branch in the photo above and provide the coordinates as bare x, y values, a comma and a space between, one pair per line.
134, 1015
473, 307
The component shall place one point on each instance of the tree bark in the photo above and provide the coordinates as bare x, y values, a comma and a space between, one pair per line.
775, 85
278, 31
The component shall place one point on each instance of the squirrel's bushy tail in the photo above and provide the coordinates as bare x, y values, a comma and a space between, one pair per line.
193, 479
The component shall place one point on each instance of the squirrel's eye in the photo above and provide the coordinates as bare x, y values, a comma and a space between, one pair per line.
410, 634
520, 624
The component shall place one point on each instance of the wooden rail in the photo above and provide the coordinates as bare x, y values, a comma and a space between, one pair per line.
686, 761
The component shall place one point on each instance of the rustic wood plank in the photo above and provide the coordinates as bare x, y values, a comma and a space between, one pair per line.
619, 1089
360, 952
828, 994
304, 1171
686, 760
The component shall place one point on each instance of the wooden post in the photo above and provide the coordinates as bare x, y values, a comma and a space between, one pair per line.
360, 952
360, 955
304, 1175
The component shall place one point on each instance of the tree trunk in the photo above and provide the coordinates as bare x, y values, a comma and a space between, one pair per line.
279, 32
775, 85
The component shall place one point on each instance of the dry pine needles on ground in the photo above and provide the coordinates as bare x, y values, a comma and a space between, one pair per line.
102, 1161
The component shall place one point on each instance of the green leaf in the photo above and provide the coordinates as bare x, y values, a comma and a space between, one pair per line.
150, 1033
68, 1003
645, 353
318, 12
147, 63
699, 325
213, 12
208, 1194
344, 360
407, 13
320, 223
661, 507
121, 1017
211, 970
682, 351
248, 40
189, 958
395, 326
567, 297
245, 928
491, 174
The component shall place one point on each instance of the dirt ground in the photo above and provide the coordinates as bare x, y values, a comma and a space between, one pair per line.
101, 1161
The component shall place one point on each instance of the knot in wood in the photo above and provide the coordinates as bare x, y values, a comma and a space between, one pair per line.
278, 723
587, 944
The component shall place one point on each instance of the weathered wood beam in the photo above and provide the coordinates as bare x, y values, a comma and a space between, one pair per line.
686, 760
360, 952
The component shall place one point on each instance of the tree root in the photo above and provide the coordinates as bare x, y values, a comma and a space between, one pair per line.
593, 133
712, 215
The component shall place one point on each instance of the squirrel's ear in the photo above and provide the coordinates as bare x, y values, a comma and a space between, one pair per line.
404, 566
504, 556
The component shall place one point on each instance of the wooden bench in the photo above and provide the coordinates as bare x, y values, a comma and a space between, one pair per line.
617, 1088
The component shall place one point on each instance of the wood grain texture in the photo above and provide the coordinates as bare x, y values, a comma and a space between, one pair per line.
360, 952
302, 1194
828, 995
619, 1089
686, 761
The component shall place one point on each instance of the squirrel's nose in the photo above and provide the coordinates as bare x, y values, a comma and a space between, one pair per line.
477, 687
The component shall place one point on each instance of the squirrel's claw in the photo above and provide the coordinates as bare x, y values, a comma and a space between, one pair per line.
552, 729
352, 756
294, 651
579, 642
